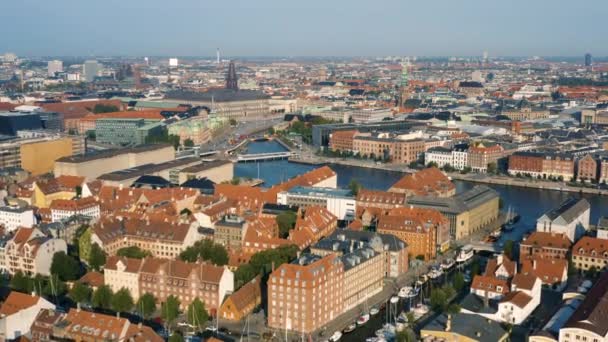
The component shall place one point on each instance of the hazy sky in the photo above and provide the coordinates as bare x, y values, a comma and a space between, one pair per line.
304, 27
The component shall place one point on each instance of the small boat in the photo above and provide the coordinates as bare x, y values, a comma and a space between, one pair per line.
413, 292
363, 319
350, 328
374, 311
467, 278
436, 272
404, 292
420, 310
336, 337
447, 264
496, 233
465, 255
394, 299
510, 220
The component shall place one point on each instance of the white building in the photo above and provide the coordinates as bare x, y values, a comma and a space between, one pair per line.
524, 297
370, 114
31, 252
173, 62
18, 312
456, 157
90, 70
14, 217
570, 218
64, 209
339, 202
53, 67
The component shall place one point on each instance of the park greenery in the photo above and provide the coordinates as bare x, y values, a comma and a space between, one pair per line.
262, 263
133, 252
206, 250
286, 221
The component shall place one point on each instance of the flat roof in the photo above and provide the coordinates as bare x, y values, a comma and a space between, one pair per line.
112, 153
146, 169
218, 95
206, 166
314, 191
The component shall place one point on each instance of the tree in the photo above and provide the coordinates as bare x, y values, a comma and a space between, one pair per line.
354, 186
235, 181
176, 337
146, 305
453, 309
243, 274
20, 282
406, 335
197, 314
53, 287
104, 108
78, 190
508, 249
475, 268
80, 293
232, 122
458, 281
431, 164
466, 170
286, 221
132, 252
492, 168
84, 244
102, 297
188, 143
170, 309
65, 266
439, 300
122, 301
206, 250
97, 257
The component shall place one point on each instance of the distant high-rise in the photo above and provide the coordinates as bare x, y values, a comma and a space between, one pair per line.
173, 62
231, 78
217, 53
90, 69
588, 60
54, 67
485, 56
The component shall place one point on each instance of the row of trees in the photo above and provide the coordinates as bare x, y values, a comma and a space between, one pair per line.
261, 263
385, 157
206, 250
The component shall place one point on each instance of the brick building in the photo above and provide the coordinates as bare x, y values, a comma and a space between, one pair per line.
540, 164
342, 140
546, 245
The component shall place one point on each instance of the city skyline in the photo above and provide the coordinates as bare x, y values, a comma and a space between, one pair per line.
272, 28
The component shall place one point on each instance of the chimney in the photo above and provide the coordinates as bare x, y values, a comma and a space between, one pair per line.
448, 323
486, 300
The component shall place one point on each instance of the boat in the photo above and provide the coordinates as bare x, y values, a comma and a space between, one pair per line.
447, 264
420, 310
336, 337
363, 319
496, 233
510, 220
413, 292
374, 311
465, 255
435, 273
394, 299
404, 292
350, 328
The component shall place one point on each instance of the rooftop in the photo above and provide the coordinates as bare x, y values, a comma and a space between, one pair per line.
217, 95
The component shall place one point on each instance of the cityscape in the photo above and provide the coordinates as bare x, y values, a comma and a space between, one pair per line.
276, 187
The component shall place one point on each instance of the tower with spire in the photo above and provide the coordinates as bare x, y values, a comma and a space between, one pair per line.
231, 78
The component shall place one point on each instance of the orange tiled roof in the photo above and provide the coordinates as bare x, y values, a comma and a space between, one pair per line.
490, 283
519, 298
17, 301
425, 182
75, 204
548, 239
550, 271
591, 247
74, 110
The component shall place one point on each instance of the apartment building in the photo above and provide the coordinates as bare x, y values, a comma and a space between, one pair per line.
588, 169
456, 157
230, 231
426, 231
18, 312
307, 294
342, 140
162, 238
386, 148
45, 191
427, 182
539, 164
163, 278
590, 252
312, 225
340, 202
482, 154
13, 217
546, 245
31, 252
62, 209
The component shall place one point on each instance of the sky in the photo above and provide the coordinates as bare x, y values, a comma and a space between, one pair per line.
303, 27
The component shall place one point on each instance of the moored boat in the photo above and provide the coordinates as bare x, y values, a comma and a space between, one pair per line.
363, 319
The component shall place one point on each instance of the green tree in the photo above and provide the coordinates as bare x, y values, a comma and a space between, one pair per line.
406, 335
102, 297
84, 244
286, 221
431, 164
104, 108
232, 122
459, 281
146, 305
21, 283
492, 168
197, 314
78, 190
132, 252
176, 337
80, 293
508, 249
206, 250
188, 143
97, 257
453, 309
170, 310
439, 299
122, 301
54, 287
243, 274
354, 186
65, 266
475, 268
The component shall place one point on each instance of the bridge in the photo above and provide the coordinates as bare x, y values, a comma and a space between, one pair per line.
480, 246
264, 156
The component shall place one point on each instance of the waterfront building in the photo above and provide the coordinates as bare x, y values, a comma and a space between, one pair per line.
456, 157
571, 218
389, 149
428, 182
342, 140
425, 231
18, 312
194, 129
587, 170
30, 252
217, 171
169, 170
467, 212
371, 204
294, 300
542, 165
95, 165
312, 225
321, 133
13, 217
482, 154
184, 280
590, 253
546, 245
589, 321
339, 202
463, 327
243, 301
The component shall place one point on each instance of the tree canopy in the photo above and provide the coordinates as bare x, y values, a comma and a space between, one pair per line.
170, 309
102, 297
146, 305
286, 221
65, 266
508, 249
261, 263
104, 108
122, 301
206, 250
354, 186
132, 252
80, 293
97, 257
197, 314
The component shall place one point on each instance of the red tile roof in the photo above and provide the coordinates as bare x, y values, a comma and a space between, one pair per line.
17, 301
426, 182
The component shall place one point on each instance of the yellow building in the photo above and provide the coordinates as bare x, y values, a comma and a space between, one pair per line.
63, 187
39, 157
